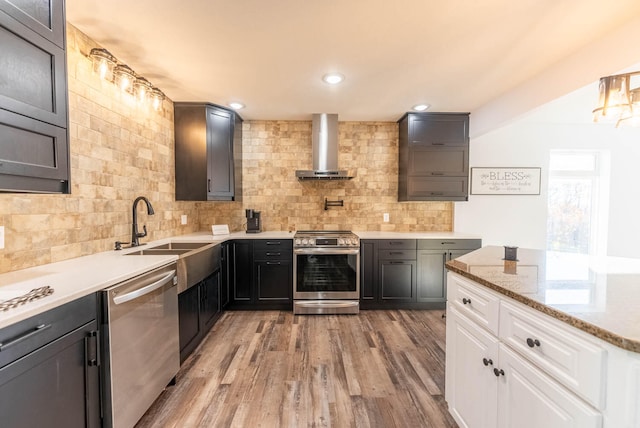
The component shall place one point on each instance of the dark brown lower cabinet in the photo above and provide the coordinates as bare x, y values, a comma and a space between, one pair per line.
49, 369
199, 307
397, 280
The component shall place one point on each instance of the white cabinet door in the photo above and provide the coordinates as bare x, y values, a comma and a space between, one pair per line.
527, 398
471, 386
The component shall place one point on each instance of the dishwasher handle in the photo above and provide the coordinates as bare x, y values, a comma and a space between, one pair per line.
132, 295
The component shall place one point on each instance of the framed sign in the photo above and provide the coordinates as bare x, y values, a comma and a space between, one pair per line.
505, 181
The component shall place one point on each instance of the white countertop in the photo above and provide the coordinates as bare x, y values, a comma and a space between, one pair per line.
75, 278
415, 235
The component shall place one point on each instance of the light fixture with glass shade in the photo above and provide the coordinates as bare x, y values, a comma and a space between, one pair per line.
156, 98
618, 101
103, 63
124, 78
142, 89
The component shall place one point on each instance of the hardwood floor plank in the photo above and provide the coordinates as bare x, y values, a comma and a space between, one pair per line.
376, 369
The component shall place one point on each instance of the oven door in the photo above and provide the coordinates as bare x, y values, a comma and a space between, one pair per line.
326, 273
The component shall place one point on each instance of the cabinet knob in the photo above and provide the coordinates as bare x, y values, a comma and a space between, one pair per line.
498, 373
487, 362
466, 301
532, 342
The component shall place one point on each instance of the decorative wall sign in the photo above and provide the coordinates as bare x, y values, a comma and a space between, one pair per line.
505, 181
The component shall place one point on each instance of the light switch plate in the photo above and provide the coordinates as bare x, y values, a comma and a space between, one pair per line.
183, 219
1, 237
385, 217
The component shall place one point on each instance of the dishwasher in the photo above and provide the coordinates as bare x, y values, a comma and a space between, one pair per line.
142, 353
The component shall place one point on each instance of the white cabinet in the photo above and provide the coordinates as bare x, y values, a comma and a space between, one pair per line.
470, 384
527, 398
492, 382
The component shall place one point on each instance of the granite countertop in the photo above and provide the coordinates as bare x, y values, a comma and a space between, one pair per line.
598, 295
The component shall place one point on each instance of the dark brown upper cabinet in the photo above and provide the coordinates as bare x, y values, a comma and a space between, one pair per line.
208, 141
34, 154
433, 157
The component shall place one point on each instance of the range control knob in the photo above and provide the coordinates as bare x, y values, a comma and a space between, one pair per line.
298, 241
305, 242
341, 241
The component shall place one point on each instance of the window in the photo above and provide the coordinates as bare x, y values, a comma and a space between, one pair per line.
577, 202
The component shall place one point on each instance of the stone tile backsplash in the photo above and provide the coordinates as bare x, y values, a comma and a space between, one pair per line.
120, 151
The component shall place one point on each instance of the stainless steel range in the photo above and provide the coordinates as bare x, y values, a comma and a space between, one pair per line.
326, 271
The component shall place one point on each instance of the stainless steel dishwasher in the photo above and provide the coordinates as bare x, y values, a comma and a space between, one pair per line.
141, 338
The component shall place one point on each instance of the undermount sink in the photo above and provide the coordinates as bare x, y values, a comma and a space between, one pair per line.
196, 260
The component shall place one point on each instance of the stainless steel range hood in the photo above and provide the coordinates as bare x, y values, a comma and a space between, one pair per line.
325, 151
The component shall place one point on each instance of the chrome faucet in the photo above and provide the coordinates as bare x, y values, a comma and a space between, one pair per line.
134, 224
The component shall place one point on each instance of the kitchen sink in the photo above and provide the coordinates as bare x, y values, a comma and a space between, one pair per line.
182, 245
155, 251
196, 260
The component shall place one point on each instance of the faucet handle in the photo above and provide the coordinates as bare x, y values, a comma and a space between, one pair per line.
143, 234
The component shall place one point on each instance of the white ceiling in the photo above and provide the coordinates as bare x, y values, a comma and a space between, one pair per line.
456, 55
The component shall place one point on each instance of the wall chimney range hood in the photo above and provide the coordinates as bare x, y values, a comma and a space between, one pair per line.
325, 150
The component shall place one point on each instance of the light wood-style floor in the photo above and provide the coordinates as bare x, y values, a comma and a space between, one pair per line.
274, 369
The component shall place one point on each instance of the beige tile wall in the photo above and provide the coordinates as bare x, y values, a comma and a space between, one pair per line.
273, 150
120, 151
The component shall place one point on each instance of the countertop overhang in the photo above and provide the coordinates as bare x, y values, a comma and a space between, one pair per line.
599, 295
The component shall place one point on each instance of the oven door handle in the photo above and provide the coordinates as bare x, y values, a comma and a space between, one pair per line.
327, 251
132, 295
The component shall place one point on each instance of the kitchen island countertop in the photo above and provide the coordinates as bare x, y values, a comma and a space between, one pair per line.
598, 295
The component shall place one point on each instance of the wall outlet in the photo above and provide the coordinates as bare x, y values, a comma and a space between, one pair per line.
1, 237
385, 217
183, 219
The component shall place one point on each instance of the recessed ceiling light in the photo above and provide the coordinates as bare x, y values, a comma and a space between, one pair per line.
333, 78
421, 107
236, 106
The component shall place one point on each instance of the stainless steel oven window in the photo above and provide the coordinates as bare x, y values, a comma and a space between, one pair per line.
326, 273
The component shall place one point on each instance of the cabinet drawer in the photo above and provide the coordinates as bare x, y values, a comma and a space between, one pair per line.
273, 244
437, 188
396, 254
572, 360
397, 244
26, 336
479, 304
449, 244
273, 254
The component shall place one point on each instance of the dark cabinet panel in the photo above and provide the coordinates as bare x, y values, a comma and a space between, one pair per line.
433, 157
210, 301
368, 270
208, 146
188, 320
242, 270
45, 17
198, 310
431, 276
393, 273
225, 294
438, 129
274, 280
260, 273
397, 280
50, 362
33, 77
34, 154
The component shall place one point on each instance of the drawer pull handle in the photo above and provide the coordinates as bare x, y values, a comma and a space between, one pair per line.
487, 362
498, 372
273, 254
532, 342
38, 329
466, 301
